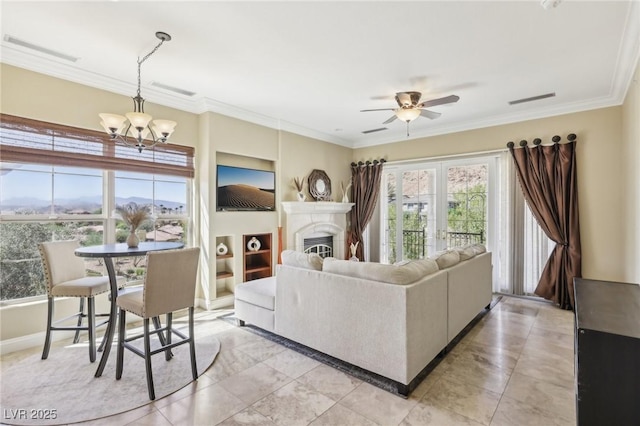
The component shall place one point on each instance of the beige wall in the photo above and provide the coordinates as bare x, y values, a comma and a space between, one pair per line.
33, 95
608, 176
603, 193
28, 94
631, 177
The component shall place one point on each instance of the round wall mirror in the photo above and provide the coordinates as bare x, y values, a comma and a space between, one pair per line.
320, 185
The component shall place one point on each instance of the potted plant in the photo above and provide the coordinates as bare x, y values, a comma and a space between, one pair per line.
133, 215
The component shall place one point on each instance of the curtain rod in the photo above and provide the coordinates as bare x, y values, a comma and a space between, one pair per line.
571, 137
440, 157
367, 163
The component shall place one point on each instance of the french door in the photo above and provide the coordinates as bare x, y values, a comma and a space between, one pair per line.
431, 206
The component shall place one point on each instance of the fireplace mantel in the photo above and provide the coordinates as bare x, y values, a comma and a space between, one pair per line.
316, 219
300, 207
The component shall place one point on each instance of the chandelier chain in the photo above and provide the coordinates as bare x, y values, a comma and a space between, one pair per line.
140, 61
138, 129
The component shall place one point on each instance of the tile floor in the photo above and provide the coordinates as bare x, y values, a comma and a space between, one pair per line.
515, 367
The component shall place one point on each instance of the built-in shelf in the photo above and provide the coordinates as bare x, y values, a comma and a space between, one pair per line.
223, 274
256, 263
224, 267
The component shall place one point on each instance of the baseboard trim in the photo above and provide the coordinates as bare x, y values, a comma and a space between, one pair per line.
31, 341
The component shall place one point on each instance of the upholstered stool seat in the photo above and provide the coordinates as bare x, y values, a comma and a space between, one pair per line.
65, 276
255, 303
82, 287
169, 286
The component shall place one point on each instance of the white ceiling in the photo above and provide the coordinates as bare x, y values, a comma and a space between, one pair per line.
310, 67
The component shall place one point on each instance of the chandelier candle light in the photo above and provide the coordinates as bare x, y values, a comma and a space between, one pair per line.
138, 128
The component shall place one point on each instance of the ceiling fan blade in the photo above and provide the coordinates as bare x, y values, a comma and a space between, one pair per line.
440, 101
378, 109
390, 119
429, 114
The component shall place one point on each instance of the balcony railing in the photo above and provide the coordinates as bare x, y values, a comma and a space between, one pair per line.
457, 239
414, 241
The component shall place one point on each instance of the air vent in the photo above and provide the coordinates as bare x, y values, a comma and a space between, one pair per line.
374, 130
533, 98
173, 89
18, 42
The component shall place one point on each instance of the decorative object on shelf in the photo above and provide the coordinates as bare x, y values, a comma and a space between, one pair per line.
299, 183
320, 185
345, 196
133, 215
253, 244
139, 128
221, 249
353, 247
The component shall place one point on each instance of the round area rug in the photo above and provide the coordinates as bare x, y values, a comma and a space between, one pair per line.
62, 389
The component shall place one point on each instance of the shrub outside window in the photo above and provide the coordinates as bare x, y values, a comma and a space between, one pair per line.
60, 183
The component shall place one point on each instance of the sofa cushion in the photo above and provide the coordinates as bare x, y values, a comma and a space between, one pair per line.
261, 292
446, 258
405, 273
466, 252
478, 248
302, 260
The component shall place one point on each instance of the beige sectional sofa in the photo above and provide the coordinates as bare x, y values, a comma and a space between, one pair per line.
392, 320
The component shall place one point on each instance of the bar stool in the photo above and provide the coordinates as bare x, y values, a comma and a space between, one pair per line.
169, 286
65, 276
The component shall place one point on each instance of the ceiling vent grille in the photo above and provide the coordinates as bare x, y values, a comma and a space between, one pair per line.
173, 89
533, 98
374, 130
26, 44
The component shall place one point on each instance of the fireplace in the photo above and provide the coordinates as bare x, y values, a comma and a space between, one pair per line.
323, 246
320, 226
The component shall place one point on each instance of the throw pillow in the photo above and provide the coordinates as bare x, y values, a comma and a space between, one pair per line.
404, 273
466, 252
446, 258
478, 248
302, 260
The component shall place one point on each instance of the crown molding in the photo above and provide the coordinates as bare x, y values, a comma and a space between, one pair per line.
628, 56
211, 105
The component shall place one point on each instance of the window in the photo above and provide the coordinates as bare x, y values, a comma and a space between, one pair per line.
58, 183
430, 206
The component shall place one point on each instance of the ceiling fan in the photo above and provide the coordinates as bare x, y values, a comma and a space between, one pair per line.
410, 107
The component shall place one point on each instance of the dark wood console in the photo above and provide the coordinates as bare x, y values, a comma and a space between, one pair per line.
607, 352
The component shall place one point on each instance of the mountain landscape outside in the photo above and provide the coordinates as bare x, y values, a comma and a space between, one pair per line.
44, 203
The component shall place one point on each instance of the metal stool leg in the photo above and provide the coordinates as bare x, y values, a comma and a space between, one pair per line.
147, 360
76, 338
47, 340
91, 325
192, 346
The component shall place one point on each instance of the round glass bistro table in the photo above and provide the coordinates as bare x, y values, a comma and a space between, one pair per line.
108, 252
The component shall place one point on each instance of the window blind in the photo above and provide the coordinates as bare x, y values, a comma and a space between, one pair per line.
23, 140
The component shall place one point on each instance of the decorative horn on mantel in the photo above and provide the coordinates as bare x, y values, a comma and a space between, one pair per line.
571, 137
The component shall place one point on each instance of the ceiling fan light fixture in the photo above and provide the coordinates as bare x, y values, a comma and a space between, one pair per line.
407, 114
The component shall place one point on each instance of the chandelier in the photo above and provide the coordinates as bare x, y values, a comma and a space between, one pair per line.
139, 126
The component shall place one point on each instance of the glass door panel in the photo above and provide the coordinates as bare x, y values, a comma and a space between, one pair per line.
390, 213
418, 213
432, 206
466, 204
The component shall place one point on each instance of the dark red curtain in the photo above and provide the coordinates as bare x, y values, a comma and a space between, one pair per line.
365, 192
548, 179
